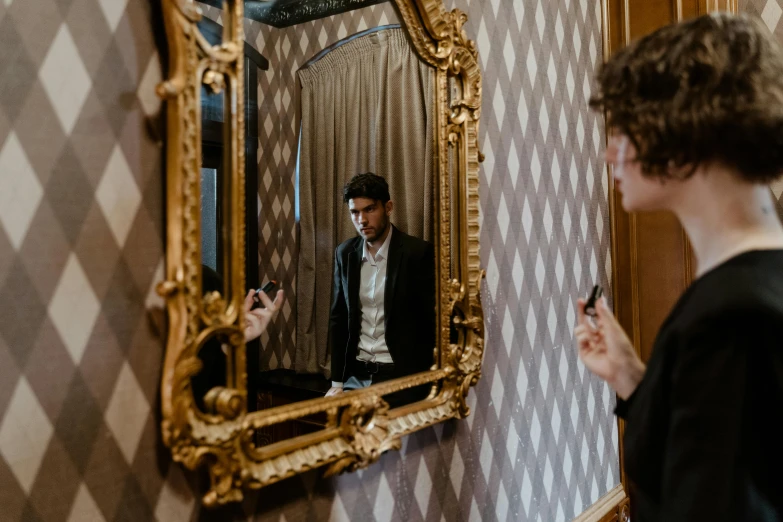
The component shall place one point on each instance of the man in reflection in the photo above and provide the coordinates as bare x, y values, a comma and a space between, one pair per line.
382, 323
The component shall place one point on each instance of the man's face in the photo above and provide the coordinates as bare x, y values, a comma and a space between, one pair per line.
370, 217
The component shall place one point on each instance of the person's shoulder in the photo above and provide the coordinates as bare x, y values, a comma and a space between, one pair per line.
413, 243
749, 286
348, 245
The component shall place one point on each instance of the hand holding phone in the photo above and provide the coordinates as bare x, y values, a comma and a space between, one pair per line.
260, 310
604, 347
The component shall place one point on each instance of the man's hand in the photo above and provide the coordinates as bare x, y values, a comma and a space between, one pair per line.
257, 320
334, 390
607, 351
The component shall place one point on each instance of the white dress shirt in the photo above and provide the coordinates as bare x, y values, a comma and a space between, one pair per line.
372, 340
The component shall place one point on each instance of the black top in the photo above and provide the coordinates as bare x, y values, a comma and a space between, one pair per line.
704, 437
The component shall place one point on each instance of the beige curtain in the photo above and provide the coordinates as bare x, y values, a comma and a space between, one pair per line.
367, 106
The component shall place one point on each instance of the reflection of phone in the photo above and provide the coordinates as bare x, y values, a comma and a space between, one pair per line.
267, 288
594, 296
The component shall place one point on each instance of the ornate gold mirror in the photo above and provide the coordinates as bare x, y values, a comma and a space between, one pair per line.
379, 332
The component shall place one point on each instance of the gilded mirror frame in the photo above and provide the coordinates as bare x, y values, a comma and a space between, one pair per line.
360, 425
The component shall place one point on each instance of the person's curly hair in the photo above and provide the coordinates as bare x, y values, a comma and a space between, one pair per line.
368, 185
702, 91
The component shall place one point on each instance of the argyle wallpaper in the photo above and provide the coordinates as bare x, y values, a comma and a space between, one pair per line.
81, 235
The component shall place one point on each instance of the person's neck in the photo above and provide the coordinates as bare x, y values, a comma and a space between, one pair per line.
724, 217
374, 246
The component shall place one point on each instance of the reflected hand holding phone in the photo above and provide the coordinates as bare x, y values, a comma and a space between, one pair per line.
260, 309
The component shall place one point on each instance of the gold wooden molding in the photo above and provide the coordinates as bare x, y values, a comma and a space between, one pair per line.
361, 426
612, 507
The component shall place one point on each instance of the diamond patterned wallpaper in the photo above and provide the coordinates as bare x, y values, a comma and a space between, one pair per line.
545, 244
81, 249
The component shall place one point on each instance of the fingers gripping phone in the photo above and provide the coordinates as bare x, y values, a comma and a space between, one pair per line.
591, 301
267, 289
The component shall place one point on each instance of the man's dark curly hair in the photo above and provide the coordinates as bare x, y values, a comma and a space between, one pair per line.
369, 185
707, 90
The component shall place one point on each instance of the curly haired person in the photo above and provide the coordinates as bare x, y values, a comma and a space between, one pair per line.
695, 115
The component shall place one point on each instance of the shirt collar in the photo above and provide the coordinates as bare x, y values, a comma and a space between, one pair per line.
382, 252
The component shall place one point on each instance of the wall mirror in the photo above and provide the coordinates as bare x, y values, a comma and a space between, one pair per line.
380, 271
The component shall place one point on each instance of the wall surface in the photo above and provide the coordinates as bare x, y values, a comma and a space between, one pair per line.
81, 219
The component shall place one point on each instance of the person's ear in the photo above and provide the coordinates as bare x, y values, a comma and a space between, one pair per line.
680, 172
389, 207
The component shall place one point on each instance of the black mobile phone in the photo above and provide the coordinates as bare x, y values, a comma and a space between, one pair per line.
267, 288
594, 296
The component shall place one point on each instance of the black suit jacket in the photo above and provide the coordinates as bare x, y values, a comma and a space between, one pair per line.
409, 305
704, 434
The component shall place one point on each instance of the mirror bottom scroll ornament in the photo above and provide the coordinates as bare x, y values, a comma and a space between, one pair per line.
361, 426
365, 426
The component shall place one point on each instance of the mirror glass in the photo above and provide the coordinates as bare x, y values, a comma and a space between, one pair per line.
214, 239
357, 264
344, 214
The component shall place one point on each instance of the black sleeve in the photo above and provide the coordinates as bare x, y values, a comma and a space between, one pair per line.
622, 406
705, 476
338, 324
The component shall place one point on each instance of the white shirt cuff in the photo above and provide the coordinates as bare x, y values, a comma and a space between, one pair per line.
337, 384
